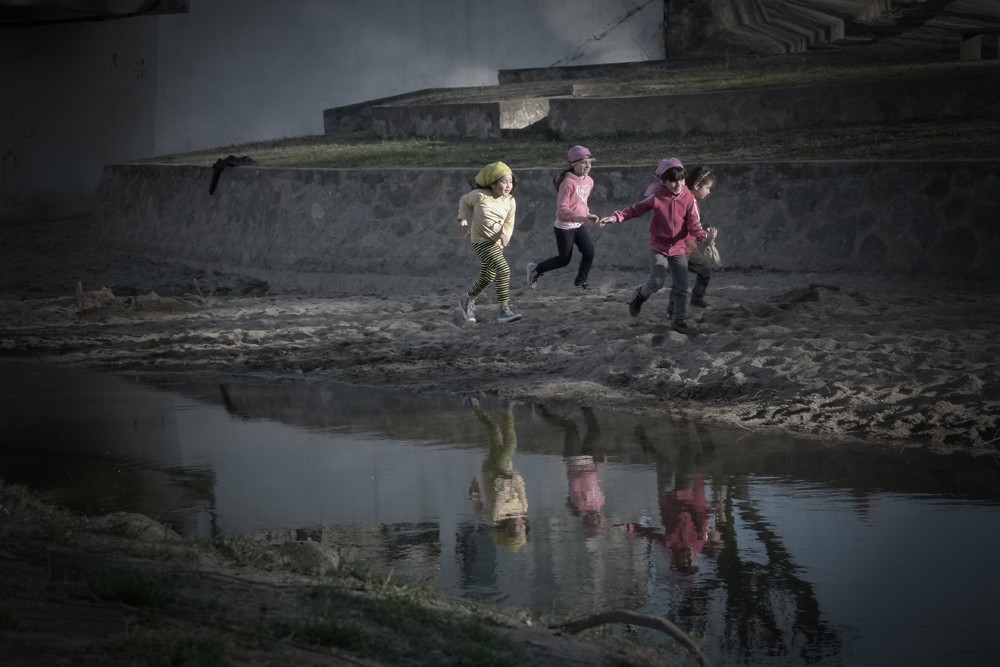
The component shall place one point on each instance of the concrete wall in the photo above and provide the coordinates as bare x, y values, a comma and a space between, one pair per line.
74, 97
330, 230
79, 96
974, 94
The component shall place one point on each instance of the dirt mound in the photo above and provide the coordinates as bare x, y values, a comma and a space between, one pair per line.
822, 301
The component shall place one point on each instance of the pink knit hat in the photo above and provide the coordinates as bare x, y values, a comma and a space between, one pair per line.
666, 164
578, 153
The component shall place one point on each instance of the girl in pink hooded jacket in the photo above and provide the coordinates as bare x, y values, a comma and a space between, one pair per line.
675, 218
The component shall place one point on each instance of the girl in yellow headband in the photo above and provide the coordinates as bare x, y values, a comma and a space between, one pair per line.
491, 207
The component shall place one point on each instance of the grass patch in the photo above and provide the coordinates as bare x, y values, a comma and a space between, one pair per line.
421, 624
131, 587
245, 553
917, 140
823, 66
332, 632
191, 650
10, 615
479, 645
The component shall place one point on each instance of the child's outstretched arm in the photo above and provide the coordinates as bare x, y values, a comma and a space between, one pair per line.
633, 211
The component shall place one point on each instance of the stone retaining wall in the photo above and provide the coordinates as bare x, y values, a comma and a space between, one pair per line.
975, 94
338, 230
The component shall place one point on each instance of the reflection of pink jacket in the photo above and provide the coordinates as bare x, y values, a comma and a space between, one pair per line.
584, 487
675, 217
685, 516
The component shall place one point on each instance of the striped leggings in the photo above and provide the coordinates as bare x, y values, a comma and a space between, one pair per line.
494, 268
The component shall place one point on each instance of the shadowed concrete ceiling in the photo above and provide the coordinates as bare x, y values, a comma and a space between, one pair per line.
26, 13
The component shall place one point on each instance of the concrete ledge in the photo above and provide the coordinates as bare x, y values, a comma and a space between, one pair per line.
971, 95
335, 230
358, 117
479, 120
970, 44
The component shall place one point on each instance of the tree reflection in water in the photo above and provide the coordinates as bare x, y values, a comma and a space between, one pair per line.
767, 607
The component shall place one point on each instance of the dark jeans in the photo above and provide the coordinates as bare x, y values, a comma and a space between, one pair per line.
677, 267
565, 239
703, 274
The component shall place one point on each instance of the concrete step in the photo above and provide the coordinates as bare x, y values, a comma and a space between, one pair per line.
828, 27
851, 10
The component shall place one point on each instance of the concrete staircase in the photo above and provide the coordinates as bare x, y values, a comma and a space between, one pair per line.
539, 99
780, 26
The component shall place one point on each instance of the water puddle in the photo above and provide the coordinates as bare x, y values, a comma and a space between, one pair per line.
771, 550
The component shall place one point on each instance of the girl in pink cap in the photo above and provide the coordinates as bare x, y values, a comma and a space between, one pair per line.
675, 218
574, 185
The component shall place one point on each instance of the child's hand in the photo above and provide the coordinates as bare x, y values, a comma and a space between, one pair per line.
463, 223
692, 245
606, 220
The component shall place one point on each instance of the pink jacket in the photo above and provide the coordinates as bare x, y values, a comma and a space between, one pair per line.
571, 202
584, 486
675, 217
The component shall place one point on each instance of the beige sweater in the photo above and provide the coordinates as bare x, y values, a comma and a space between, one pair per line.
490, 219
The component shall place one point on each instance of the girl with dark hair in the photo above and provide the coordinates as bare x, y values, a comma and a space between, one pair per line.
675, 218
573, 185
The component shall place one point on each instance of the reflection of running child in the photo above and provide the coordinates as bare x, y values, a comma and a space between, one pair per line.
501, 498
675, 217
490, 207
585, 498
684, 506
574, 185
685, 513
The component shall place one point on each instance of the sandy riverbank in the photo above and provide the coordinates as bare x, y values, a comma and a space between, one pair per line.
906, 359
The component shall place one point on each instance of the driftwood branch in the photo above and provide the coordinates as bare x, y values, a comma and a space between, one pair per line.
635, 618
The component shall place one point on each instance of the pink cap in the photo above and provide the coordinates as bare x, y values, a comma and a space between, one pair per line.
666, 164
577, 153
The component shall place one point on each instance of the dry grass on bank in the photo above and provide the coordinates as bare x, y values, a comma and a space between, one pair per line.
930, 141
124, 590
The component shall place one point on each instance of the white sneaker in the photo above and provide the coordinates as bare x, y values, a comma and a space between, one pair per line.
468, 308
532, 275
507, 315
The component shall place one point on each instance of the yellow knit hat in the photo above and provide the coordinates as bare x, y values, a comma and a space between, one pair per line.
492, 173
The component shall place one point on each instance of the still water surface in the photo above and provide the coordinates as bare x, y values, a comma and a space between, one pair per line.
772, 551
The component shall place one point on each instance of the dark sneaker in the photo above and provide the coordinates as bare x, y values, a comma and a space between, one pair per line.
696, 301
532, 275
507, 315
468, 308
684, 328
581, 285
635, 305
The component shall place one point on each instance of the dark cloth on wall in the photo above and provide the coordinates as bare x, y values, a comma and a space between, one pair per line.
222, 163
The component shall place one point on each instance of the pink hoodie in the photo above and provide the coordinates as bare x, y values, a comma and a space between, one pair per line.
675, 217
571, 202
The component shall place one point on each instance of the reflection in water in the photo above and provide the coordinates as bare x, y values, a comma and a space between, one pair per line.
762, 597
757, 545
501, 498
683, 506
585, 498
